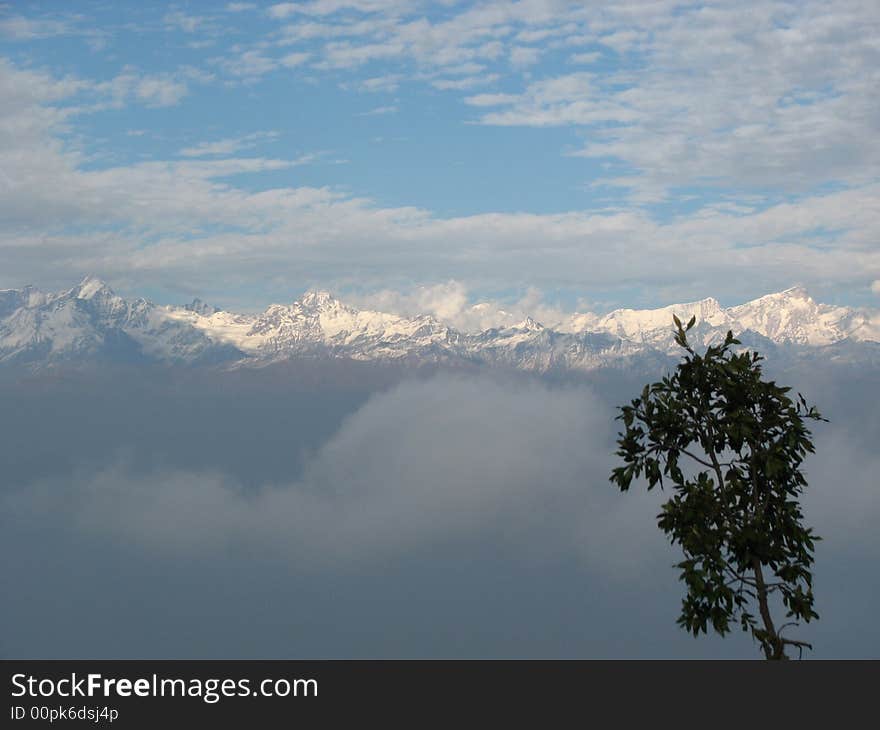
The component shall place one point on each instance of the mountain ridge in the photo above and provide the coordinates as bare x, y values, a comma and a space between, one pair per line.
91, 322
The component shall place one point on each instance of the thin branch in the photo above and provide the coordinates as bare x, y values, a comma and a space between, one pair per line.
697, 458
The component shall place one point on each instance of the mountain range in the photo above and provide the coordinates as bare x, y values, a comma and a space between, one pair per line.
91, 323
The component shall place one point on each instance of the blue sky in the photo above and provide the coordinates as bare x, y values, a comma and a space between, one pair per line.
597, 154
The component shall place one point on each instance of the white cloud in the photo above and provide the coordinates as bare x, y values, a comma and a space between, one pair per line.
430, 464
329, 7
399, 32
379, 111
292, 60
563, 100
491, 99
623, 40
584, 59
24, 29
20, 28
158, 92
228, 146
381, 84
544, 34
445, 301
151, 90
759, 95
451, 303
756, 96
875, 286
310, 30
521, 463
846, 522
282, 10
346, 55
463, 84
178, 20
205, 43
523, 56
186, 221
250, 65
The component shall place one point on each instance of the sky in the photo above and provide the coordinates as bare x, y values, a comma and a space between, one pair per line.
633, 153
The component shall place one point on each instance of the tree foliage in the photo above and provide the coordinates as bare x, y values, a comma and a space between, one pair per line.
730, 444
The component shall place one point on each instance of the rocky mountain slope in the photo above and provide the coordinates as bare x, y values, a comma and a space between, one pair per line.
91, 323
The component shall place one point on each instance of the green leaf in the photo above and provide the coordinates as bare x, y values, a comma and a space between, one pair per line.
726, 511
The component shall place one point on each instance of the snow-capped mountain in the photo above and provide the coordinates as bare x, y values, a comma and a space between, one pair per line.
792, 316
787, 317
319, 324
92, 323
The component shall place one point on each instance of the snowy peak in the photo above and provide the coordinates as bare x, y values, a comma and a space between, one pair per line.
320, 300
654, 325
798, 292
321, 321
787, 317
529, 325
13, 299
90, 322
201, 308
793, 316
91, 287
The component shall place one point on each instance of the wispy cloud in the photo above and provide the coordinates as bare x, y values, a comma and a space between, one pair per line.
466, 83
379, 111
741, 137
292, 60
524, 56
228, 146
251, 65
199, 227
380, 84
160, 91
178, 20
21, 28
584, 59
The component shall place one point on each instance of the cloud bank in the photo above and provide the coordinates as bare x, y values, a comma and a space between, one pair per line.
444, 517
428, 463
715, 140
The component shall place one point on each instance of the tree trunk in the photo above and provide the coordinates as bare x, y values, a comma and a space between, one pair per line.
772, 644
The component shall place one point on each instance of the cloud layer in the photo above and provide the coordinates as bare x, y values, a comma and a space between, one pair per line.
715, 141
444, 517
429, 462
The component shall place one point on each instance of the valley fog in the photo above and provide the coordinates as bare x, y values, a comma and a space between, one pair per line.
353, 510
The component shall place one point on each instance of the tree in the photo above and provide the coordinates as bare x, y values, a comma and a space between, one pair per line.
731, 445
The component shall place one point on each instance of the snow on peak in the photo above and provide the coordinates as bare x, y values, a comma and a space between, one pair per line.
13, 299
319, 299
90, 316
647, 324
529, 325
796, 296
200, 307
89, 287
794, 292
793, 316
